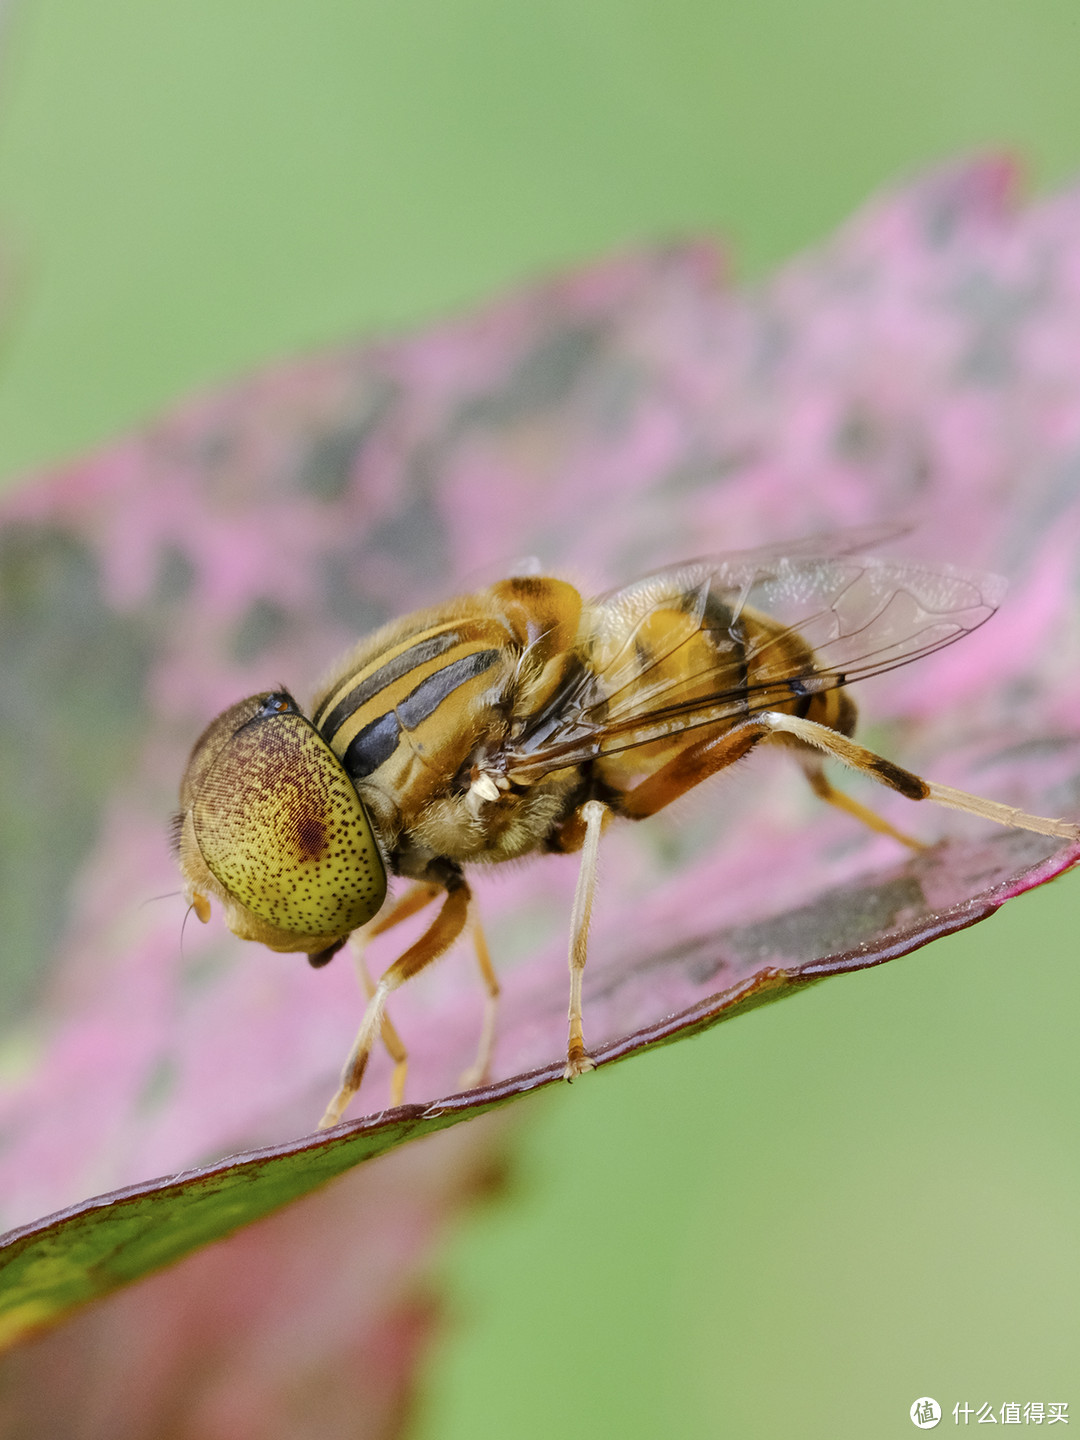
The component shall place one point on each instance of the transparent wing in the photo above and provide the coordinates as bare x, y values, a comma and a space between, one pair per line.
722, 638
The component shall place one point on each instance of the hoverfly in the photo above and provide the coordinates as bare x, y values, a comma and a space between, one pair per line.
522, 718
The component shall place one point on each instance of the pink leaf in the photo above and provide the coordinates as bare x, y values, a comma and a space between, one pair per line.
923, 366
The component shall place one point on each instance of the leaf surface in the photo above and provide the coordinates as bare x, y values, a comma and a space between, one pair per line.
610, 421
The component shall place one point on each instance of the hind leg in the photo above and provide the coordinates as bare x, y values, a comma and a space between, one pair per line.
825, 790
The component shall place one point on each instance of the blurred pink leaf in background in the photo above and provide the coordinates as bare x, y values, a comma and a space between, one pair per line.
921, 367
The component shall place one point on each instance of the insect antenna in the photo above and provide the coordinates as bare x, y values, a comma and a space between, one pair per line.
167, 895
183, 927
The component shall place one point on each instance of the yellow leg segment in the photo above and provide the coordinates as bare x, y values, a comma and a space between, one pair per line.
595, 816
435, 941
477, 1072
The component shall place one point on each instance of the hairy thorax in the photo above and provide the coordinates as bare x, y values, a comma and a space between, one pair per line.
467, 830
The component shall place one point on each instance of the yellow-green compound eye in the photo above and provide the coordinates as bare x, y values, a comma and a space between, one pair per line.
279, 823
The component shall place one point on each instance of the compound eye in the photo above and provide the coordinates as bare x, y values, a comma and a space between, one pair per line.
281, 826
278, 702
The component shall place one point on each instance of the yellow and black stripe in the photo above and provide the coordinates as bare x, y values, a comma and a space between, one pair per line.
417, 698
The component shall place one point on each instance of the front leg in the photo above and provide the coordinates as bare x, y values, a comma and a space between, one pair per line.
477, 1072
435, 941
414, 899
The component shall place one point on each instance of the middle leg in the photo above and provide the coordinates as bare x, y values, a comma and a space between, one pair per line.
594, 816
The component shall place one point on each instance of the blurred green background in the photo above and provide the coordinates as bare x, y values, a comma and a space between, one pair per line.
800, 1223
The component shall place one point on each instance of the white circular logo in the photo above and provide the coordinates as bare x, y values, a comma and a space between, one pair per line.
925, 1413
